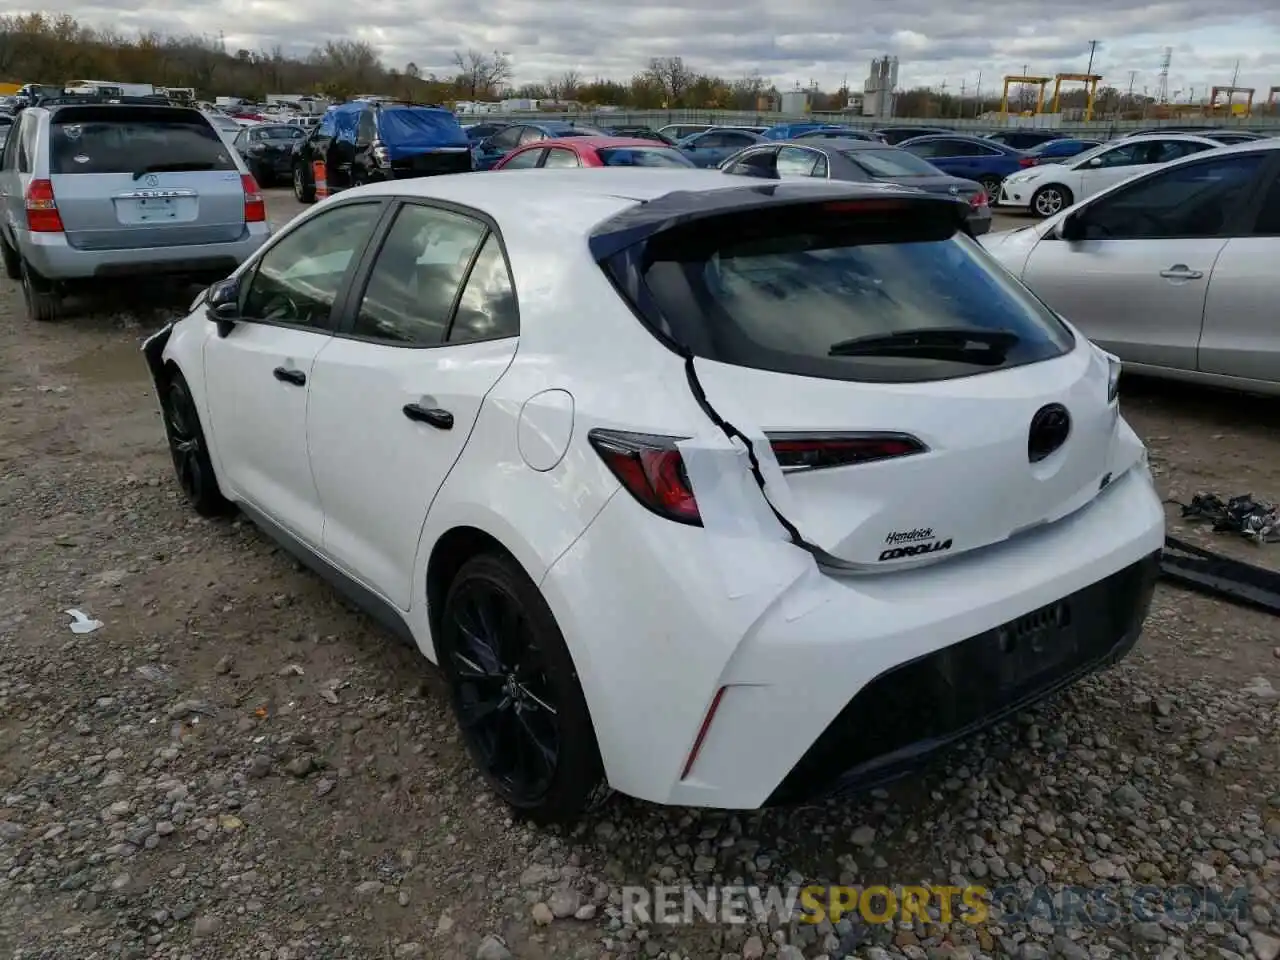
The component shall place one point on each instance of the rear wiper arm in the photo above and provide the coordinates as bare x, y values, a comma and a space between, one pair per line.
172, 167
979, 345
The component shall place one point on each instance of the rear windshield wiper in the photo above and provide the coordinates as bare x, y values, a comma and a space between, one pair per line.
978, 345
174, 167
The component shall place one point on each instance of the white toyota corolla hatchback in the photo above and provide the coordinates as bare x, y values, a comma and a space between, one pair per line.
721, 493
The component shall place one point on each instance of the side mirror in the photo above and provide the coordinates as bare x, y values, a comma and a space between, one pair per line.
1071, 228
1094, 162
222, 305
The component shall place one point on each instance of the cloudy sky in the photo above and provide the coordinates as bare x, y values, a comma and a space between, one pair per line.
789, 41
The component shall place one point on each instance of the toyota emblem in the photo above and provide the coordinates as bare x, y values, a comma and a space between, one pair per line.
152, 180
1050, 428
955, 191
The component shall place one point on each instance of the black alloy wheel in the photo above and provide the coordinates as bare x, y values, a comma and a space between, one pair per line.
515, 692
190, 454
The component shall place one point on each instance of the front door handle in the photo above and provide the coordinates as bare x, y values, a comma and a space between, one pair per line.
285, 375
1180, 271
433, 416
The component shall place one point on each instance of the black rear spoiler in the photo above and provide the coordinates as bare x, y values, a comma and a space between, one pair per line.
643, 221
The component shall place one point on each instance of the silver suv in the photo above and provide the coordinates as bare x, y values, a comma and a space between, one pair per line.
93, 191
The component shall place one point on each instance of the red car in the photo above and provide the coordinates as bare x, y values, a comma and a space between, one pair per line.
594, 152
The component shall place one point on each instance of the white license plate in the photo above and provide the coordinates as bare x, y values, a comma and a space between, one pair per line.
155, 208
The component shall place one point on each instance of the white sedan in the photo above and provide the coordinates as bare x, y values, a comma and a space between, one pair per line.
719, 495
1052, 187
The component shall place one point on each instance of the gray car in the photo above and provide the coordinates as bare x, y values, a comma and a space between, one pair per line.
1173, 271
96, 191
858, 161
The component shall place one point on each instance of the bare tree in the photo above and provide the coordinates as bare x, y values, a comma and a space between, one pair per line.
482, 73
411, 70
570, 82
671, 76
748, 90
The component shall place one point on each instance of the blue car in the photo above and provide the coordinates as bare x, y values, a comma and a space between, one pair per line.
789, 131
709, 148
835, 132
973, 158
488, 152
1055, 151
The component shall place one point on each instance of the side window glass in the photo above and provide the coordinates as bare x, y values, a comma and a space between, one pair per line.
487, 309
367, 131
25, 136
507, 139
1119, 157
795, 162
561, 158
523, 160
1185, 202
930, 149
298, 279
820, 168
1268, 222
758, 162
531, 135
416, 276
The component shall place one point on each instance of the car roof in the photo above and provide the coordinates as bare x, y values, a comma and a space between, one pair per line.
601, 143
575, 201
1144, 137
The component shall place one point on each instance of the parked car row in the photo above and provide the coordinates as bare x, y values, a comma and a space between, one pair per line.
426, 389
1170, 266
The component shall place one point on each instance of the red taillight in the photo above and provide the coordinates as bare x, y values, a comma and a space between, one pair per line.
652, 471
980, 199
255, 207
1026, 161
801, 452
42, 208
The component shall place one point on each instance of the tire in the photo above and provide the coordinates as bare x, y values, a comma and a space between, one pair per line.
12, 262
991, 186
1050, 199
511, 676
44, 302
302, 191
189, 450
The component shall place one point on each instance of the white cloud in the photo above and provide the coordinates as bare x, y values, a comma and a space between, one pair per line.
796, 41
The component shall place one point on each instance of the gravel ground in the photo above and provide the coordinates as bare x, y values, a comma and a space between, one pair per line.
238, 766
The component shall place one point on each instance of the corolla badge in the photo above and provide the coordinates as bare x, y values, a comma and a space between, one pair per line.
152, 180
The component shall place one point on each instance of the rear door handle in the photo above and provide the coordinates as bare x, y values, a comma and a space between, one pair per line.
433, 416
1180, 271
284, 374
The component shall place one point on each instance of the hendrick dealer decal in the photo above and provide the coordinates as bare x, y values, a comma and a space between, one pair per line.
913, 543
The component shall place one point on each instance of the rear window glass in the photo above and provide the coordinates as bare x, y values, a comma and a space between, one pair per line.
892, 163
136, 145
643, 157
780, 291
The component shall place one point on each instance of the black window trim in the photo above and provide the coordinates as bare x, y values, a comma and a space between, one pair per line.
357, 283
1239, 219
245, 279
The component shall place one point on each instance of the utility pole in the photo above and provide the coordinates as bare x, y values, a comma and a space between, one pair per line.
960, 112
1133, 74
1235, 77
977, 95
1093, 45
